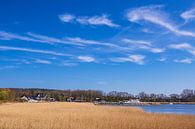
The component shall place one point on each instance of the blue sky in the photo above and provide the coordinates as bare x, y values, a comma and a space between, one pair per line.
128, 46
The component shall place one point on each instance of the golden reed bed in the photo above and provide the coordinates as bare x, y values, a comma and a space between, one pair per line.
86, 116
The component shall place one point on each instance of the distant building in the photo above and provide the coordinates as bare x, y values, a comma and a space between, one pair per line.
70, 99
41, 97
24, 98
132, 101
98, 99
51, 99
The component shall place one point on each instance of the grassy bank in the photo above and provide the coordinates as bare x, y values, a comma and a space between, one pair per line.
86, 116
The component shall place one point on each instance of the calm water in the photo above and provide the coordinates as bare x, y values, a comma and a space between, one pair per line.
167, 108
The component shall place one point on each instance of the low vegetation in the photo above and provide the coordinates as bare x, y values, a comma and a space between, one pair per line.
58, 115
6, 95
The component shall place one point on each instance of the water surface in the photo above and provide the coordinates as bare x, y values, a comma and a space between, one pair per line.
175, 108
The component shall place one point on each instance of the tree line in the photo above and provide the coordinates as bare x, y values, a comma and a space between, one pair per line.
14, 94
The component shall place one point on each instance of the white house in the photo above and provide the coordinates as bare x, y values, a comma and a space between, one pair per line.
132, 101
24, 98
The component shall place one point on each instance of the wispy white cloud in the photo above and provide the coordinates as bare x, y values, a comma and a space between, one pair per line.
86, 20
186, 61
142, 44
86, 59
8, 48
146, 30
31, 37
97, 20
8, 67
44, 38
11, 36
40, 61
152, 49
90, 42
69, 64
17, 61
183, 46
139, 59
113, 46
66, 17
104, 46
137, 44
24, 61
77, 41
188, 15
155, 15
48, 39
33, 60
83, 41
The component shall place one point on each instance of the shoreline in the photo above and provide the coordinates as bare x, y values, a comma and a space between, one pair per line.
163, 108
170, 102
141, 103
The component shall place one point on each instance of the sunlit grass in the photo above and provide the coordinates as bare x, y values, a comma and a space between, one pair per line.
86, 116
